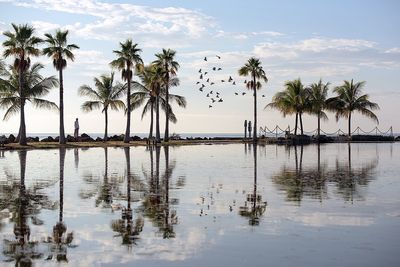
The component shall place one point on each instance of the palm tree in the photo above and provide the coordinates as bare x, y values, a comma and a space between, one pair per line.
145, 92
22, 44
60, 51
350, 98
127, 57
292, 100
255, 70
166, 61
105, 96
316, 98
35, 87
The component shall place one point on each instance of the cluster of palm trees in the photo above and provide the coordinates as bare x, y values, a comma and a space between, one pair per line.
22, 82
298, 99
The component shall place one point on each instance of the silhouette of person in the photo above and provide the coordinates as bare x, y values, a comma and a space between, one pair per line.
245, 129
249, 128
76, 127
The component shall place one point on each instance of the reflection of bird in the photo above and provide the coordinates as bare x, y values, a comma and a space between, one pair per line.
205, 58
243, 93
209, 106
220, 100
218, 56
201, 76
236, 93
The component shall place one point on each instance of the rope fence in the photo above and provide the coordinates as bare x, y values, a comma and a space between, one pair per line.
278, 131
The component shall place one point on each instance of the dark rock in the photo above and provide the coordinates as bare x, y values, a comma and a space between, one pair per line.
57, 139
32, 139
84, 135
70, 138
116, 138
85, 138
371, 138
11, 139
98, 139
397, 138
3, 140
47, 139
135, 138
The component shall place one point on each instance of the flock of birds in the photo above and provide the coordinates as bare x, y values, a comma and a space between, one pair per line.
206, 82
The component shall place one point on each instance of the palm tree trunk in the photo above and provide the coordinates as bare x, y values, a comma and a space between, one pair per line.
22, 132
158, 139
255, 110
319, 125
128, 177
62, 133
301, 122
128, 106
349, 124
166, 134
295, 125
106, 124
151, 120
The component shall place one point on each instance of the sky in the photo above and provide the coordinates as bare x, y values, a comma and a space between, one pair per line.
329, 40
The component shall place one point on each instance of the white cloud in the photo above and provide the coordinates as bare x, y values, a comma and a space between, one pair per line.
43, 27
394, 50
113, 19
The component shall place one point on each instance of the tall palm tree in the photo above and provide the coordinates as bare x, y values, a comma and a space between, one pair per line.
166, 61
293, 100
35, 87
127, 57
350, 98
317, 95
21, 44
145, 93
105, 96
255, 70
59, 49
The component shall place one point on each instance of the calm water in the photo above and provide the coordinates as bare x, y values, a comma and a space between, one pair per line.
205, 205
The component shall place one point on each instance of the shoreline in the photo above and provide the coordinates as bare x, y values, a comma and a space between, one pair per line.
264, 141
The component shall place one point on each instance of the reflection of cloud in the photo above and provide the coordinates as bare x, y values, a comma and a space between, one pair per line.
320, 219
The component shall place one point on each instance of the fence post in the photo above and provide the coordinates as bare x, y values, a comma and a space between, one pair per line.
276, 131
391, 130
376, 130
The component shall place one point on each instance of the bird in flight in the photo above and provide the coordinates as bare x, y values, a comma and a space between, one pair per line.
208, 80
205, 58
197, 82
205, 73
222, 81
201, 76
263, 95
211, 92
243, 93
213, 100
209, 106
201, 89
218, 56
234, 83
214, 68
211, 83
219, 69
199, 70
221, 100
245, 81
208, 95
230, 79
236, 93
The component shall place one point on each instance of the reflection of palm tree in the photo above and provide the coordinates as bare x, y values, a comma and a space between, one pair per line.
125, 227
313, 181
105, 195
258, 207
22, 250
59, 240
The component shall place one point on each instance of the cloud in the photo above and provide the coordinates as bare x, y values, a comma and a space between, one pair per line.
113, 20
394, 50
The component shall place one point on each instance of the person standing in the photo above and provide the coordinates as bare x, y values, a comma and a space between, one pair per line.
245, 129
76, 127
249, 128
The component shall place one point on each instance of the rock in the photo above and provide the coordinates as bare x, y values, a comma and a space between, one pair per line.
84, 135
11, 138
57, 139
3, 140
98, 139
70, 138
397, 138
135, 138
32, 139
48, 139
85, 138
116, 138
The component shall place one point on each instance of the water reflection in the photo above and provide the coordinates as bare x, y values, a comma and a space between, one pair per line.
156, 204
313, 181
128, 229
254, 207
24, 204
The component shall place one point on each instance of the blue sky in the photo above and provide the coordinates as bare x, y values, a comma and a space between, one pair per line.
332, 40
